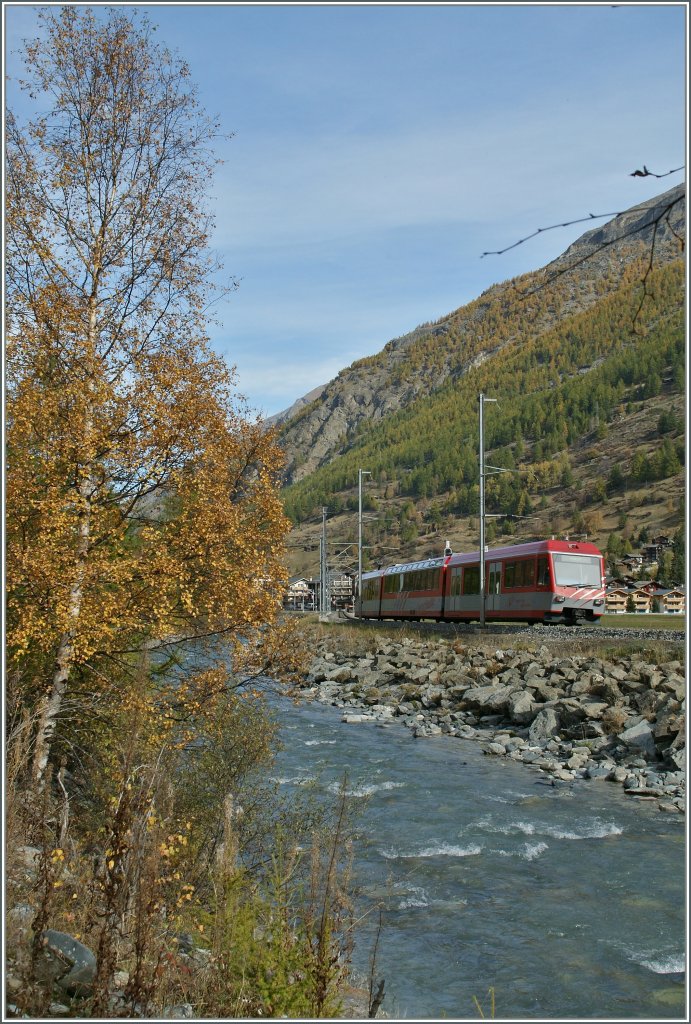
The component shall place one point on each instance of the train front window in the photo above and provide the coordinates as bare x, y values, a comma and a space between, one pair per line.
577, 571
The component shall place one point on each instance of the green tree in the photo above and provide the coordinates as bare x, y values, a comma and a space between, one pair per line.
567, 478
667, 423
599, 490
678, 567
665, 569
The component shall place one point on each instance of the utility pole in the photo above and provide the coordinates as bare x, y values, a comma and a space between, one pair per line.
324, 571
360, 474
482, 507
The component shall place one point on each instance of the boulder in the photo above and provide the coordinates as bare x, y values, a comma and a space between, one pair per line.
609, 692
546, 724
521, 707
674, 685
341, 674
495, 748
648, 702
182, 1011
68, 962
640, 738
569, 711
678, 758
543, 689
651, 676
489, 698
594, 709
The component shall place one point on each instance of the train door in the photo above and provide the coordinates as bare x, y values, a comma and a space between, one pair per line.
493, 587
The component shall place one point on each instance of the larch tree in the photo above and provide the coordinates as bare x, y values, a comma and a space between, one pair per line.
141, 496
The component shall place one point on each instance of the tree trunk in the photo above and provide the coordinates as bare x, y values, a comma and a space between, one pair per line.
51, 705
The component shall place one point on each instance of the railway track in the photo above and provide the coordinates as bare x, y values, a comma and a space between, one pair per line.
543, 633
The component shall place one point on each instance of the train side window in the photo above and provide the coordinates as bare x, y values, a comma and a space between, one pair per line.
392, 583
543, 571
471, 580
519, 574
455, 582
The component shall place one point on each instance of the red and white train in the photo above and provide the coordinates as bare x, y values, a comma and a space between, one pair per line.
551, 581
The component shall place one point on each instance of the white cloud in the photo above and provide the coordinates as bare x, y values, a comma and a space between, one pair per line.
272, 386
459, 170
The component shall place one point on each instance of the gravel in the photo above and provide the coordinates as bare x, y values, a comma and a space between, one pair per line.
545, 634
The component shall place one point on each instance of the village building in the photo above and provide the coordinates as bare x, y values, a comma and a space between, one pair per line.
673, 601
304, 594
615, 600
299, 595
645, 598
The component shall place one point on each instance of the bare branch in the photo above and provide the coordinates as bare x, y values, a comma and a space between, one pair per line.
645, 173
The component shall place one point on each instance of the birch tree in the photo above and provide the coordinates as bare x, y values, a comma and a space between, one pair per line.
141, 496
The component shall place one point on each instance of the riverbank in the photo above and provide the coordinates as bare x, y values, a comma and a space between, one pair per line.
571, 715
481, 872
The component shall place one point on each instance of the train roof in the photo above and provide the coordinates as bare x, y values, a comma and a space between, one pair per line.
525, 550
424, 563
510, 551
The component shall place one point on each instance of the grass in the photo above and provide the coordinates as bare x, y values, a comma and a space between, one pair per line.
641, 621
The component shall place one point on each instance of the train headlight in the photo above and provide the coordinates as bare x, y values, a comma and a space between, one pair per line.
598, 600
559, 599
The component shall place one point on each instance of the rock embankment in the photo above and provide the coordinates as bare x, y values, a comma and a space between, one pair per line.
573, 716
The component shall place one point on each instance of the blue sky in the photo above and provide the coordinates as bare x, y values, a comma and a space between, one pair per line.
379, 150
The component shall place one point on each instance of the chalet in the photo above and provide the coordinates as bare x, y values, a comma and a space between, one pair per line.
299, 593
655, 548
615, 599
673, 602
632, 561
645, 598
304, 594
342, 587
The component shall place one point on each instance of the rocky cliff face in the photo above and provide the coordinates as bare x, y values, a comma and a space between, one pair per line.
324, 423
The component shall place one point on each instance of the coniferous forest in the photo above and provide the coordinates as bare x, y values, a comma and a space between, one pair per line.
588, 421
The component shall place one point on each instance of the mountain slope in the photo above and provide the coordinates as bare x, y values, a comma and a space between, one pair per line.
519, 311
587, 361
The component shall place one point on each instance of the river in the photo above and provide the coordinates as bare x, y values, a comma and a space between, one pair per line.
568, 900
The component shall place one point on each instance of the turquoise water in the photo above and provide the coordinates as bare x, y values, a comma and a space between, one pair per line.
567, 900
